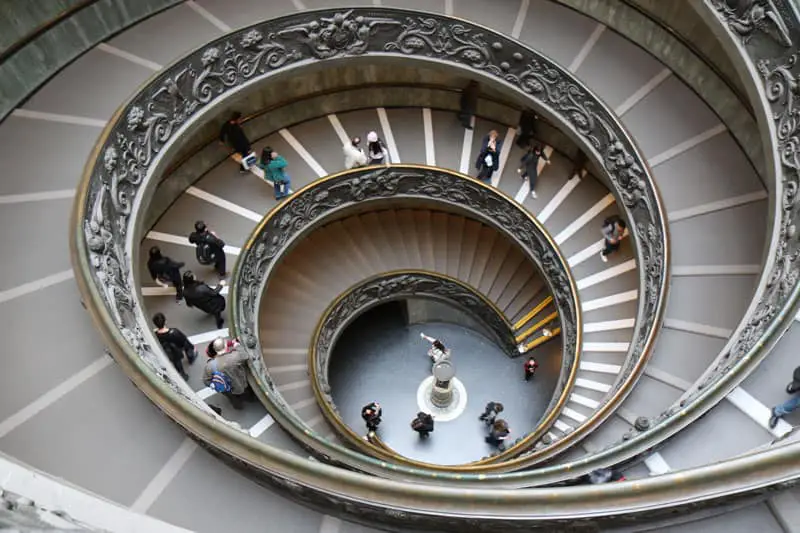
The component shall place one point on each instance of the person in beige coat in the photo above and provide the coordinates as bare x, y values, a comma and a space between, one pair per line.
226, 372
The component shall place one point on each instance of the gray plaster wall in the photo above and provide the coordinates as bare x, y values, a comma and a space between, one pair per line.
36, 62
661, 42
425, 310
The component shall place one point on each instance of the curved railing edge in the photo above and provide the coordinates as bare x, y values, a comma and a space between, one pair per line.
319, 368
379, 181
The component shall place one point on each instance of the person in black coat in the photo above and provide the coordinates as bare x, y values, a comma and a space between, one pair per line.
423, 424
209, 300
371, 413
490, 412
468, 104
232, 135
209, 247
498, 433
529, 166
164, 270
175, 343
489, 156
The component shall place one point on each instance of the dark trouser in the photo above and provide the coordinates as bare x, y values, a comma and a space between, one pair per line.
237, 400
372, 424
529, 374
494, 440
610, 247
531, 178
244, 151
219, 262
177, 362
485, 174
175, 279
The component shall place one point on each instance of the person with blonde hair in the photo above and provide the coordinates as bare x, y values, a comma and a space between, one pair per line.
354, 155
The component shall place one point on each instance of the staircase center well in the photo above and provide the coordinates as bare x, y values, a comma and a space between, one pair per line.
381, 357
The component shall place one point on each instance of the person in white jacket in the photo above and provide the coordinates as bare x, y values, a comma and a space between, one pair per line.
354, 156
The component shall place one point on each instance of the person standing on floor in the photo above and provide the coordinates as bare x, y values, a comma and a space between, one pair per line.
489, 156
354, 155
529, 166
371, 413
376, 150
490, 412
527, 129
209, 300
423, 424
175, 344
498, 433
274, 166
226, 372
164, 271
530, 368
614, 230
779, 411
233, 136
208, 247
468, 104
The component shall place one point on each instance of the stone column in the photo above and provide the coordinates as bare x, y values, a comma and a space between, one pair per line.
442, 390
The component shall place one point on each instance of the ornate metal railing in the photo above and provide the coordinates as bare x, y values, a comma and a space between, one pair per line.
336, 195
138, 140
390, 286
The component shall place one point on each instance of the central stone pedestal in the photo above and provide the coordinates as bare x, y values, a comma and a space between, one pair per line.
442, 391
452, 410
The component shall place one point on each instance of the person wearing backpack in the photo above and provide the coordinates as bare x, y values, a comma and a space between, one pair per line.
273, 165
226, 372
614, 230
208, 247
376, 150
164, 270
209, 300
175, 344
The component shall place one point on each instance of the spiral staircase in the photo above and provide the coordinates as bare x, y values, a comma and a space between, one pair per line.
687, 411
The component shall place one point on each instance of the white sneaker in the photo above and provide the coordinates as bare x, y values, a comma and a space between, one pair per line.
533, 194
603, 257
547, 333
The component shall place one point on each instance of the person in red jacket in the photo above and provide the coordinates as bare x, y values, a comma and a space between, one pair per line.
530, 368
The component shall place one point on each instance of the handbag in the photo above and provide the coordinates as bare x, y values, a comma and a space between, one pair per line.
249, 160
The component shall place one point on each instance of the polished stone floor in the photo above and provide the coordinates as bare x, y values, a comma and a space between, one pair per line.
381, 359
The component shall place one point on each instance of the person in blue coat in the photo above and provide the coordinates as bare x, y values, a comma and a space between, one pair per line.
274, 166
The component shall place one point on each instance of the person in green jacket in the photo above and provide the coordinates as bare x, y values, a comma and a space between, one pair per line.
274, 166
